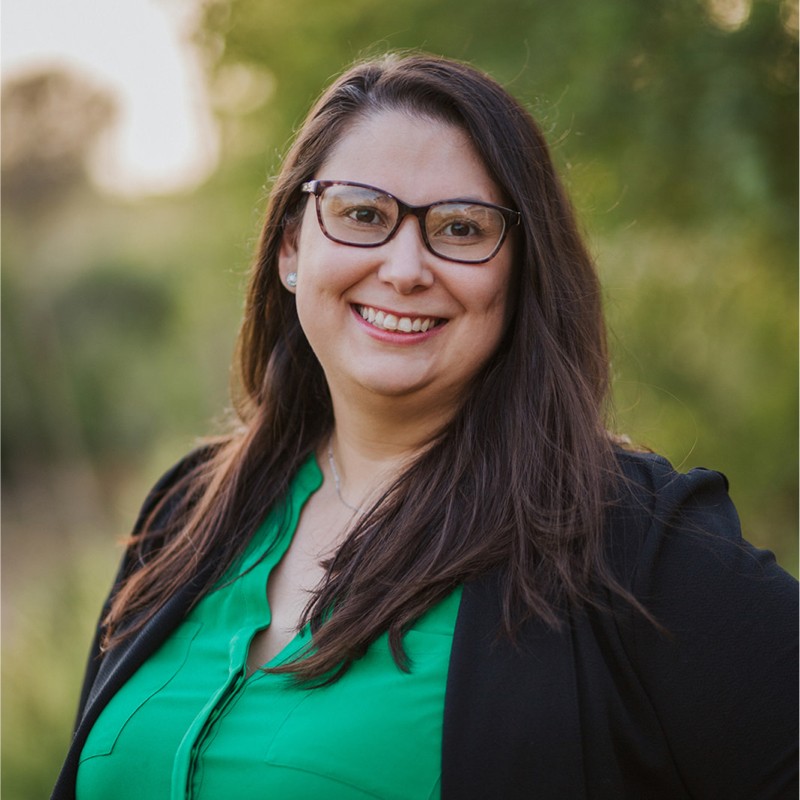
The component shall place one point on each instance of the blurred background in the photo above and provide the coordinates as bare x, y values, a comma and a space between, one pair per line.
138, 141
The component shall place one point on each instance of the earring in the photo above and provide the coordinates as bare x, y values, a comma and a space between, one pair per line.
291, 280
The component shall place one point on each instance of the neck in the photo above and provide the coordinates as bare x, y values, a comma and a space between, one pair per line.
371, 448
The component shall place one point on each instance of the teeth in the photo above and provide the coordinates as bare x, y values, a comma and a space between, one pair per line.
391, 322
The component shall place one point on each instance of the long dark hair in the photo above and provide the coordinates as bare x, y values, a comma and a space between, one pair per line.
515, 482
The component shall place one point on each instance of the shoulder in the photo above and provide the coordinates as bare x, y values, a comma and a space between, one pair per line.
675, 542
649, 482
651, 498
668, 531
174, 477
725, 644
170, 484
157, 513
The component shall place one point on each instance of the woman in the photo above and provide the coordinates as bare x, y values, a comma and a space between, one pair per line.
421, 567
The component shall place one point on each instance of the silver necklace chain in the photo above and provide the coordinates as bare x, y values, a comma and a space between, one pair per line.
337, 481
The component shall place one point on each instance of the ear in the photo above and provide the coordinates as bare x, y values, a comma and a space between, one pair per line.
287, 255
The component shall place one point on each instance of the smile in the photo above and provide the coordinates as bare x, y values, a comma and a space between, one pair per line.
391, 322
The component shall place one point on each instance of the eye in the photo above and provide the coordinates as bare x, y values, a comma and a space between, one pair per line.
463, 224
460, 228
364, 215
357, 213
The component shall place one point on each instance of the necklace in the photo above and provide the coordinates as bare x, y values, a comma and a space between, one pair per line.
337, 481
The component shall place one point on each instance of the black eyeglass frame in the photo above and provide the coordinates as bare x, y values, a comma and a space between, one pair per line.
510, 218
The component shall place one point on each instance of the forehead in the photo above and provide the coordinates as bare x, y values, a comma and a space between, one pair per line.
418, 158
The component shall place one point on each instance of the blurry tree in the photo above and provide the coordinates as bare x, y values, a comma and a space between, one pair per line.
674, 112
118, 323
91, 317
50, 121
66, 394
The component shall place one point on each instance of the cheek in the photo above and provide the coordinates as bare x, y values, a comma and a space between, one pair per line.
326, 268
489, 295
497, 304
505, 292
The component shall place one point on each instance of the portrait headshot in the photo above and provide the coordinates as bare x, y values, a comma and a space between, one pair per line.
402, 403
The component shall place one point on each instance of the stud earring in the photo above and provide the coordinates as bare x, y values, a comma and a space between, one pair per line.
291, 280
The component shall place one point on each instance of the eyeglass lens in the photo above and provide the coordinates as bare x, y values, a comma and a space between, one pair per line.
367, 217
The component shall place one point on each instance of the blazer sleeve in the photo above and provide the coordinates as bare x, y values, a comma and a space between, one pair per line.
722, 675
130, 561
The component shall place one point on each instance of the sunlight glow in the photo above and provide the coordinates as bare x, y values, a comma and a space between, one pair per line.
729, 15
165, 139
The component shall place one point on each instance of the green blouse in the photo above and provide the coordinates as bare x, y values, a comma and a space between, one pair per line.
190, 723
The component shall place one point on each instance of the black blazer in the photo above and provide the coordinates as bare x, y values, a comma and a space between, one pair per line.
607, 706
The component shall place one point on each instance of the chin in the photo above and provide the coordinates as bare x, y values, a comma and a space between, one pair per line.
432, 396
393, 388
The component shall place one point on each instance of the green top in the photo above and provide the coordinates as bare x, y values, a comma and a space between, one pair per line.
191, 724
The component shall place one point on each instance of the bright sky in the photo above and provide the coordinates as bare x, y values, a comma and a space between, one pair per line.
165, 139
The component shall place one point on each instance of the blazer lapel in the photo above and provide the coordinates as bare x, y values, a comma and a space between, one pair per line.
116, 668
511, 722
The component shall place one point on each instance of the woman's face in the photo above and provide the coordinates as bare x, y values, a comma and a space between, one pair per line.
419, 161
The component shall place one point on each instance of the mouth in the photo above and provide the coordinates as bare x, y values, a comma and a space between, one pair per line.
386, 321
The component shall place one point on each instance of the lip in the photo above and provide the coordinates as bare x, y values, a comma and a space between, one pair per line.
396, 337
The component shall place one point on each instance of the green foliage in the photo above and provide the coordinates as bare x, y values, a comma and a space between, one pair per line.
687, 121
106, 316
704, 343
46, 638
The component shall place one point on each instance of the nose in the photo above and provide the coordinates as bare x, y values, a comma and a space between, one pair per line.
405, 261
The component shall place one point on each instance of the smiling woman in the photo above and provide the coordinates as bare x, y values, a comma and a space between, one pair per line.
421, 566
462, 306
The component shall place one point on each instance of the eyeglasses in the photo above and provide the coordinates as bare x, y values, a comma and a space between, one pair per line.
466, 231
